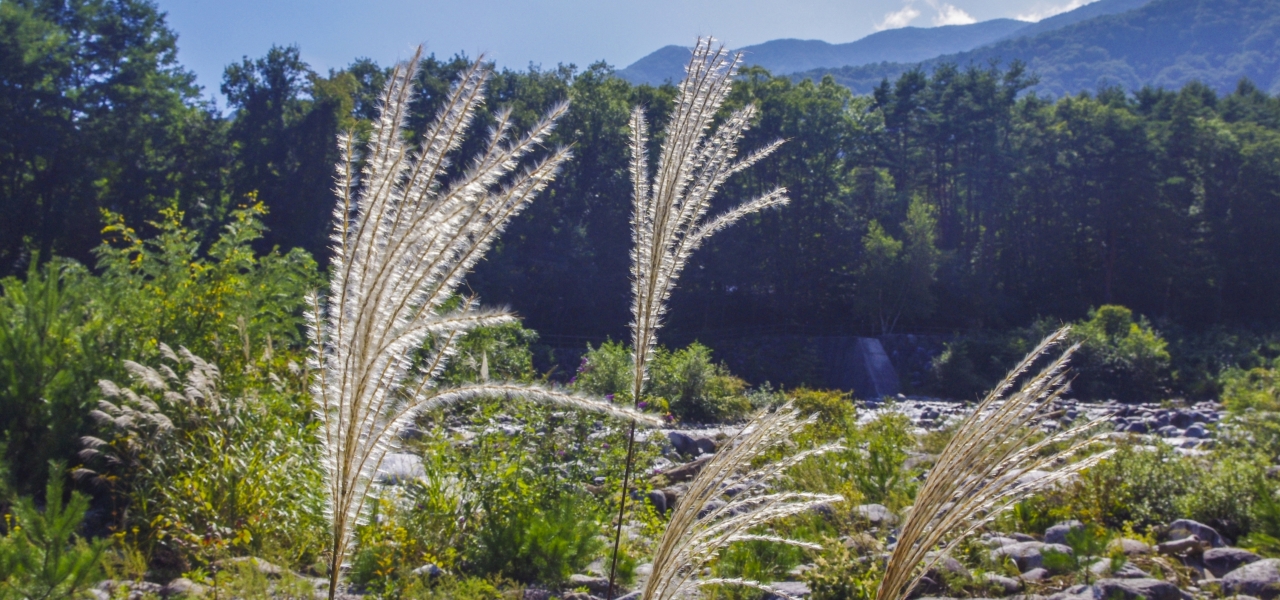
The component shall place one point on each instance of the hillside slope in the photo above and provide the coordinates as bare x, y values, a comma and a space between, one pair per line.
908, 44
1166, 43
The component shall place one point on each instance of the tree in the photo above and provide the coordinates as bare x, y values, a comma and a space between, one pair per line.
97, 114
895, 277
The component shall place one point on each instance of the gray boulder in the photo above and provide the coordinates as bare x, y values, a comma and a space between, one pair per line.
1221, 561
1037, 574
1002, 584
400, 467
1027, 555
683, 443
1185, 528
1133, 547
1259, 578
598, 586
1058, 533
1196, 431
876, 514
794, 589
1132, 589
1102, 568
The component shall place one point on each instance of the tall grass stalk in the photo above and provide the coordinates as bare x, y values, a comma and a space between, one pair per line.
993, 462
405, 233
698, 530
669, 210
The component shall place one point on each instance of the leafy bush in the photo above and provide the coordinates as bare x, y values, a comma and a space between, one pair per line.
544, 544
1135, 485
1225, 492
686, 382
41, 557
1120, 357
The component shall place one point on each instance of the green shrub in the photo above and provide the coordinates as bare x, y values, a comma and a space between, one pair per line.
1120, 357
1138, 486
1225, 492
543, 544
686, 382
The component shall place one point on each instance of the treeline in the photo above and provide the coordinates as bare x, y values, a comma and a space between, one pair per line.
946, 201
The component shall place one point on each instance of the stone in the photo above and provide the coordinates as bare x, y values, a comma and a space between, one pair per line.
1183, 528
1102, 568
1133, 589
257, 564
1260, 578
1034, 575
1181, 419
658, 500
1196, 431
794, 589
1137, 427
1188, 546
1221, 561
400, 467
1169, 431
579, 596
182, 587
137, 590
997, 541
683, 443
1022, 537
1006, 585
710, 507
429, 570
876, 514
598, 586
706, 445
1132, 547
632, 596
1076, 592
1027, 555
1058, 533
687, 471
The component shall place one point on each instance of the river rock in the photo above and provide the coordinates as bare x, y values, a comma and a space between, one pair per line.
1184, 528
876, 514
1027, 555
1058, 533
1221, 561
1132, 589
598, 586
794, 589
1132, 547
1259, 578
1006, 585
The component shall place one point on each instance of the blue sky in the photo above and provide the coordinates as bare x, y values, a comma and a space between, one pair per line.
515, 33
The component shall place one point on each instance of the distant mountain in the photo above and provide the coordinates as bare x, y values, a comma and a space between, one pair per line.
908, 44
905, 45
1166, 43
1084, 13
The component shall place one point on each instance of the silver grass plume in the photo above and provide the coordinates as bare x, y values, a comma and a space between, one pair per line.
669, 210
405, 234
988, 467
699, 530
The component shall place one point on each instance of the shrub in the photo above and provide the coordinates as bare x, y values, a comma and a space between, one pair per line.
1135, 485
1120, 357
538, 543
876, 461
686, 382
1225, 492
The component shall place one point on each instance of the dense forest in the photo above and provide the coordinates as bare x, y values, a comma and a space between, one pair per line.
953, 200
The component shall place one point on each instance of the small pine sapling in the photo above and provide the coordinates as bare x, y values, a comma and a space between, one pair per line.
41, 557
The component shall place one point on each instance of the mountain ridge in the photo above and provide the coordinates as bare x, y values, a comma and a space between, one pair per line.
1164, 43
902, 45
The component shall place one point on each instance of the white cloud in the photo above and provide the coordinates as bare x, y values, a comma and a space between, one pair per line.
1039, 13
896, 19
950, 14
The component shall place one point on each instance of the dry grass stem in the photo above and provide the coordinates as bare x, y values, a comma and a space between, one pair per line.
992, 462
407, 228
700, 528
